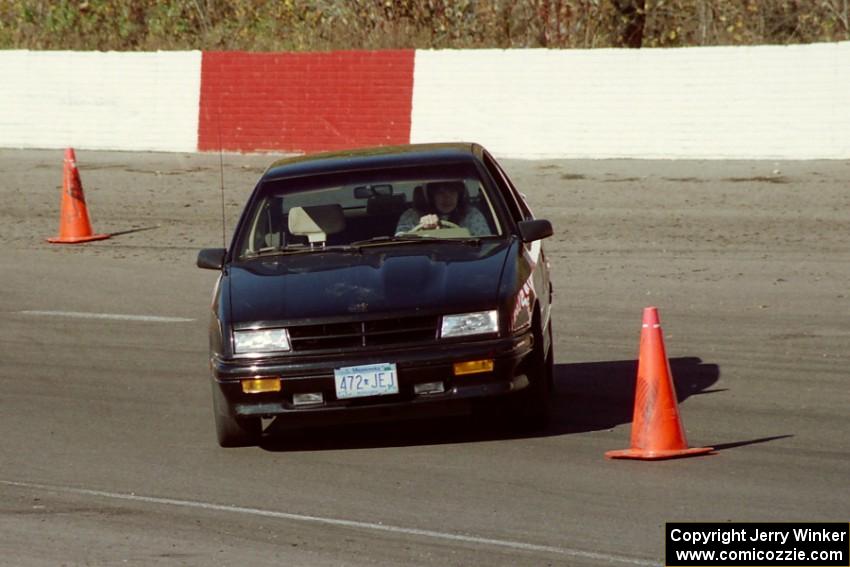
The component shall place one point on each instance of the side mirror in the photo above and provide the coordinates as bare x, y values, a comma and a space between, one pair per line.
538, 229
211, 258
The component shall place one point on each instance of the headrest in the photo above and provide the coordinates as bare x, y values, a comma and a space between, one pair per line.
316, 222
385, 204
420, 203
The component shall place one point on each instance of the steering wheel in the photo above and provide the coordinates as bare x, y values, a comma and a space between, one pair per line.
440, 224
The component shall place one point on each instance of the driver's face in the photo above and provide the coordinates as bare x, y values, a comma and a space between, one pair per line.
445, 200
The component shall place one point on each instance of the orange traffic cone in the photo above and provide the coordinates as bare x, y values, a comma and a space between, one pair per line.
657, 431
74, 225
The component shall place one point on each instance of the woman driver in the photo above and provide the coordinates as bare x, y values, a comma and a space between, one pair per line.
446, 201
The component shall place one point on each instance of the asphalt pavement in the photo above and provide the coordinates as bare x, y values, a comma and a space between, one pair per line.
108, 447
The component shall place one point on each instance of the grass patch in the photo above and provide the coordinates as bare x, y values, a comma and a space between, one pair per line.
321, 25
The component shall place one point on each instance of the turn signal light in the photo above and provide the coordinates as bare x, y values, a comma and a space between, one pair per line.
260, 385
473, 367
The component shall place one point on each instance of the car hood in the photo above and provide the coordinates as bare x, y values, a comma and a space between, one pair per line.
421, 277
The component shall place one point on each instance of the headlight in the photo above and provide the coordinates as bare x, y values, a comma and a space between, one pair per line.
260, 341
478, 323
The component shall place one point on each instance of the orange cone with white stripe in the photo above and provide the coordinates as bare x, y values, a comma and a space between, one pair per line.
74, 224
657, 431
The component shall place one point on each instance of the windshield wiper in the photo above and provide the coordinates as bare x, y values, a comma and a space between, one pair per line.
463, 240
300, 250
355, 247
389, 239
408, 238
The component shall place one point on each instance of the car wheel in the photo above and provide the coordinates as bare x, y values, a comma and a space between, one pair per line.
233, 431
532, 407
550, 362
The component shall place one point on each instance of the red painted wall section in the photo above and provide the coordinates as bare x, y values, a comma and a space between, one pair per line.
305, 102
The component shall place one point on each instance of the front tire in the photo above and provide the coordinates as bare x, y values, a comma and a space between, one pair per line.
233, 431
532, 407
550, 362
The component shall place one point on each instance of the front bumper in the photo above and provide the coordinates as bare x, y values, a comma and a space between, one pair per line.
315, 373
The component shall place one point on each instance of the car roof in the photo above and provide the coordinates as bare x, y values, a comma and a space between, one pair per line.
372, 158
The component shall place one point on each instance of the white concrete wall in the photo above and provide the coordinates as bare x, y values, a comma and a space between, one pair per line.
97, 100
718, 102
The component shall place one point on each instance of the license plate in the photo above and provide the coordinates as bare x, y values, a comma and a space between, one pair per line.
368, 380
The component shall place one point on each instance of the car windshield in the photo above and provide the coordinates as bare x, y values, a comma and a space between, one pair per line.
347, 210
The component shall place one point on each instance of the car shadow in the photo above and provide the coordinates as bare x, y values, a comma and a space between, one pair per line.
589, 396
600, 395
592, 396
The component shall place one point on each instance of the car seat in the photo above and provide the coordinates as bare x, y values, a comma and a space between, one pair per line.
420, 202
383, 212
316, 222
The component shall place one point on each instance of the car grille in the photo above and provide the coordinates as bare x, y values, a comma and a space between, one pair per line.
363, 334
